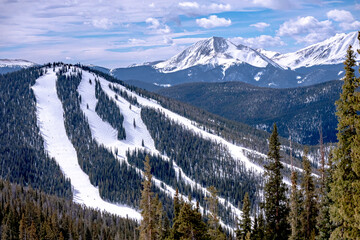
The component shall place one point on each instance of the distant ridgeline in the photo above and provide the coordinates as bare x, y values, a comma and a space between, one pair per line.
206, 162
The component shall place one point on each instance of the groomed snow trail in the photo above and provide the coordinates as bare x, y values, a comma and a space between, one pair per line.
51, 124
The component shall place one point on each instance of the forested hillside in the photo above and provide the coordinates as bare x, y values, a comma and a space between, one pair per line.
297, 111
26, 213
22, 154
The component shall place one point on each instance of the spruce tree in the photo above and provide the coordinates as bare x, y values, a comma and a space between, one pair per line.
309, 209
245, 223
214, 231
276, 204
295, 208
324, 224
345, 188
147, 226
189, 224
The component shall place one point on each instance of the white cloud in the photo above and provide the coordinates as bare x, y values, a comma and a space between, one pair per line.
135, 41
346, 19
103, 23
277, 4
157, 26
306, 29
350, 26
154, 23
196, 9
213, 21
189, 5
260, 25
168, 40
340, 15
220, 7
263, 41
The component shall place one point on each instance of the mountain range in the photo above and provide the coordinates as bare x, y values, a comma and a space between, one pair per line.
219, 60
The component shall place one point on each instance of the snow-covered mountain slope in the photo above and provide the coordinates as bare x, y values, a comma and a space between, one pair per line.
16, 62
11, 65
214, 51
58, 146
329, 52
267, 53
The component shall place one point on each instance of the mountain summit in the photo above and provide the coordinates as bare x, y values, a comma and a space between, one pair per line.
328, 52
215, 51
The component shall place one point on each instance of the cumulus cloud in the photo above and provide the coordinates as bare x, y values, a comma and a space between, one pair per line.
306, 29
103, 23
350, 26
213, 21
346, 19
263, 41
260, 25
157, 26
340, 15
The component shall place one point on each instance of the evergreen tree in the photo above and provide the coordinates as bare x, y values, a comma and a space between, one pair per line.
276, 204
213, 222
345, 193
309, 209
295, 208
259, 228
324, 224
245, 223
147, 227
189, 224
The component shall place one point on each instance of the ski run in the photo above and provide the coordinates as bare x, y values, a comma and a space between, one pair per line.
58, 146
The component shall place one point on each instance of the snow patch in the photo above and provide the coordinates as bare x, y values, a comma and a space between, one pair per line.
258, 76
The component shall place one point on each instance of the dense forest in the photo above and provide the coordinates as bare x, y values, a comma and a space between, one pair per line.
296, 111
26, 213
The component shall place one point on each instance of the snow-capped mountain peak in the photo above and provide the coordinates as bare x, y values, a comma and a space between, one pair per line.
267, 53
214, 51
16, 63
330, 51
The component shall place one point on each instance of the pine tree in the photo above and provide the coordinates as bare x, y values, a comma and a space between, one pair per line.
276, 204
245, 223
309, 209
147, 227
345, 193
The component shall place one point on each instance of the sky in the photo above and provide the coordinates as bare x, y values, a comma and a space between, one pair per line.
120, 33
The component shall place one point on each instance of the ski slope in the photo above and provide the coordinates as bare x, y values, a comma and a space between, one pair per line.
51, 124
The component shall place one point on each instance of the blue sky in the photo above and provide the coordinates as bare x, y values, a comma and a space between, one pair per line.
120, 33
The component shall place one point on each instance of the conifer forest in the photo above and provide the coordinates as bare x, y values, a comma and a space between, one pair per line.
86, 154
